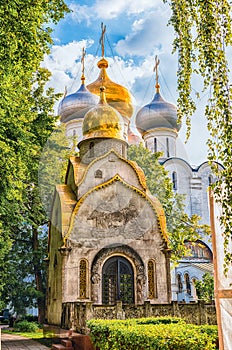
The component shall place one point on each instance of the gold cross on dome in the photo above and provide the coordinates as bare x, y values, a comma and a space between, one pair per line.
155, 69
103, 27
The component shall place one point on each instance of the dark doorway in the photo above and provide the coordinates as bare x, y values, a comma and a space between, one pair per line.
117, 281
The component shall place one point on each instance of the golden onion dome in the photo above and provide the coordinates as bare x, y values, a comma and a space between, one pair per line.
117, 96
102, 121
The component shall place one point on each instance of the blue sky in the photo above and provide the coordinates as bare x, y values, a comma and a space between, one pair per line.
136, 31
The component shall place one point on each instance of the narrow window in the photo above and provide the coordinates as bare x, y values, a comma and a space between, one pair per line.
179, 283
91, 149
83, 279
187, 283
167, 147
174, 180
210, 180
155, 145
152, 287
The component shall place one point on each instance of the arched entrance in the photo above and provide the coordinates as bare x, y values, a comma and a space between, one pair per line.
117, 281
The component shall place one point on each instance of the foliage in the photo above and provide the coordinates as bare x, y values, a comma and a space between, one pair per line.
25, 326
205, 288
203, 33
180, 226
53, 165
132, 334
26, 121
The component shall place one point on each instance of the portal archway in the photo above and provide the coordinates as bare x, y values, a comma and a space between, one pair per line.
132, 264
117, 281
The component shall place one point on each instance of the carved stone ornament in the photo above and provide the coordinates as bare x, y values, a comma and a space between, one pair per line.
64, 250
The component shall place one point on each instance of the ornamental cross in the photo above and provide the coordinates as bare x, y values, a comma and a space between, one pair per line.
155, 69
103, 27
83, 60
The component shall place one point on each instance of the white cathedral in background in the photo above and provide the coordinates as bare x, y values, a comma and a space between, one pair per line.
156, 122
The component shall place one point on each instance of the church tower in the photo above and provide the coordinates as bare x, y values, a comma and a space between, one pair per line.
157, 124
73, 107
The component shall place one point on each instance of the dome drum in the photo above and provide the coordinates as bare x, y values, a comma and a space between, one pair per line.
96, 147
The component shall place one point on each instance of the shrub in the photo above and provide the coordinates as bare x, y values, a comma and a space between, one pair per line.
25, 326
138, 335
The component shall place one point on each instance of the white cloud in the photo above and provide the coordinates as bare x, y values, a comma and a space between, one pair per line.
105, 9
110, 9
64, 63
80, 13
148, 34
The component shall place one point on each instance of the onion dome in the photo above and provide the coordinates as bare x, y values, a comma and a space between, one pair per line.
157, 114
76, 105
117, 96
102, 121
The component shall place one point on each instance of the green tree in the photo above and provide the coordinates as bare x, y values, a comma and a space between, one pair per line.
180, 226
26, 121
53, 164
202, 35
205, 288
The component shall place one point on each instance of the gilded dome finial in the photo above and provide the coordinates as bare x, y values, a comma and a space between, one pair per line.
83, 65
102, 39
102, 100
155, 69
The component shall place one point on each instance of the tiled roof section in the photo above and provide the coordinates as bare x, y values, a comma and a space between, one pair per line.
207, 267
67, 202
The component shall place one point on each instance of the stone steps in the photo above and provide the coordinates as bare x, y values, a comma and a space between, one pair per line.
77, 342
65, 345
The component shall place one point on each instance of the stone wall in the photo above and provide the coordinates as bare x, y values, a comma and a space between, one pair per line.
75, 315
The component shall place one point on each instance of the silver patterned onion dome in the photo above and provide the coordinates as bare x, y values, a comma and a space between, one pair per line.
76, 105
157, 114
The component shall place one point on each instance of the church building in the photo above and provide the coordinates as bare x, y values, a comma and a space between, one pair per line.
107, 238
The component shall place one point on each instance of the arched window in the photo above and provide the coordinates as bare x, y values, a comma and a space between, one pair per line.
152, 286
117, 281
210, 180
83, 279
91, 149
98, 174
194, 291
179, 283
174, 180
167, 147
155, 145
187, 283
